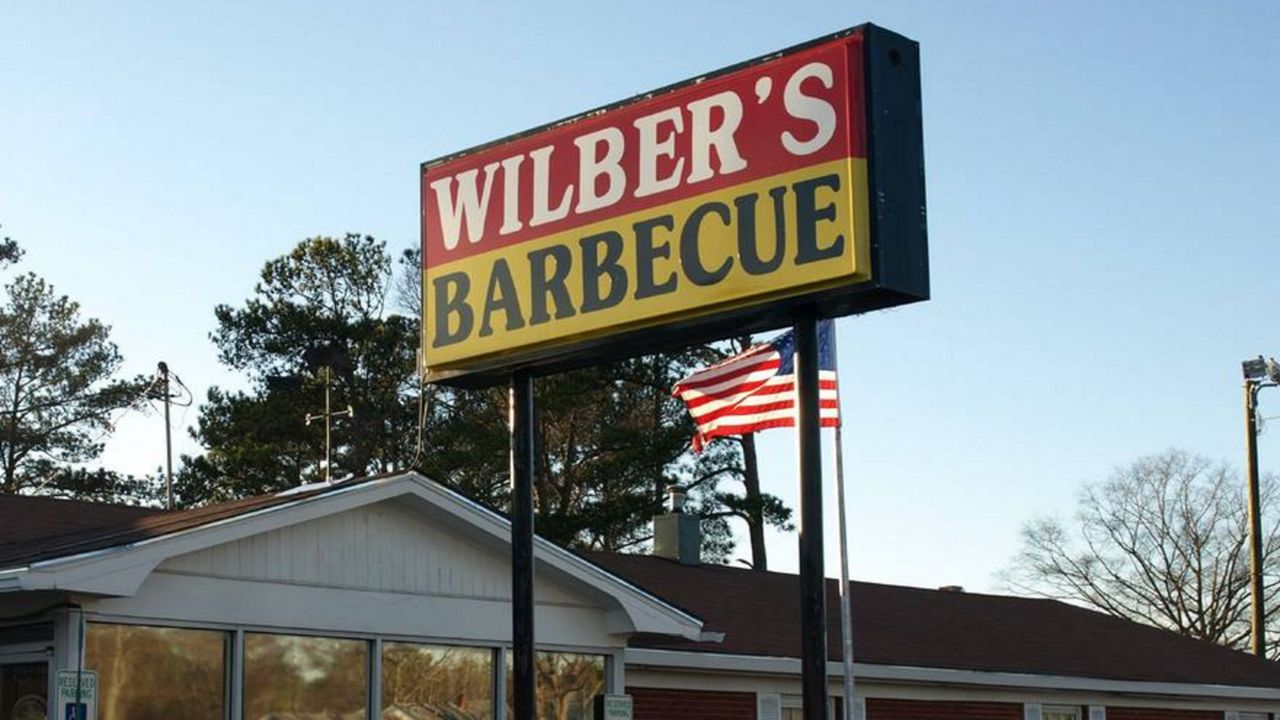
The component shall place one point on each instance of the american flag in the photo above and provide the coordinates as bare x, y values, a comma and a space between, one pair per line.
756, 389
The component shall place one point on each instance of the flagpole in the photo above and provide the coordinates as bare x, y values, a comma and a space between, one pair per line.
846, 614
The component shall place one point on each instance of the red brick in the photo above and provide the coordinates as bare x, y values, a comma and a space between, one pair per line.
655, 704
889, 709
1134, 713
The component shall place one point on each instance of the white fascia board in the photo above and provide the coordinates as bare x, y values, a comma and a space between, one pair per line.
769, 665
118, 571
644, 611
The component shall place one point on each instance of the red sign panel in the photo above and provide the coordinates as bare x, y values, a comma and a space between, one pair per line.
731, 191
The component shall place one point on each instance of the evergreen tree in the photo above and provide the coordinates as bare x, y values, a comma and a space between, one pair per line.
60, 391
610, 439
325, 297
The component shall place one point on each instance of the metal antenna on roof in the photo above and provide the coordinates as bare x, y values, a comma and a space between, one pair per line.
328, 416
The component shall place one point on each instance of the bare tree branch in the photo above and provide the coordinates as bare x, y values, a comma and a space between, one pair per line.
1163, 541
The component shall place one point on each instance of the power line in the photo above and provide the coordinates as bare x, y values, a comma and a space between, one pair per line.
111, 423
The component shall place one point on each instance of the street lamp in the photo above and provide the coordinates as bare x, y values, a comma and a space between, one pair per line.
1258, 373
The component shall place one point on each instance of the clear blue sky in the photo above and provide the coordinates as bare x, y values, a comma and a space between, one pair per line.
1103, 210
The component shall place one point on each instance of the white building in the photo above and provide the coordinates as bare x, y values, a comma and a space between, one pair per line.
389, 597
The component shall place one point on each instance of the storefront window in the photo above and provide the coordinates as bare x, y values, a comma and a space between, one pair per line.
147, 673
567, 684
792, 708
1060, 712
294, 675
436, 681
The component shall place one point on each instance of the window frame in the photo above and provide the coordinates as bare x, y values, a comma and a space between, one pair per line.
1078, 712
234, 660
506, 657
496, 673
796, 702
229, 648
370, 665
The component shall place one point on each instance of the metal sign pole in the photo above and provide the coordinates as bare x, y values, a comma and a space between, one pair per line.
813, 591
523, 661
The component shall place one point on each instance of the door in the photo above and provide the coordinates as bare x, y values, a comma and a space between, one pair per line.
24, 691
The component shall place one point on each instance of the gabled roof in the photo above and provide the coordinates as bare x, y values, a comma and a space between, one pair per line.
110, 551
35, 529
759, 612
26, 520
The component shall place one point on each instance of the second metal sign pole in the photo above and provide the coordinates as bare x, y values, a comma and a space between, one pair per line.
813, 590
522, 639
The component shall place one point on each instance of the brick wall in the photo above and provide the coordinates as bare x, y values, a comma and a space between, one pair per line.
1132, 713
654, 704
887, 709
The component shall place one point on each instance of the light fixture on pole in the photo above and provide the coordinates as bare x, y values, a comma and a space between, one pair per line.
1258, 373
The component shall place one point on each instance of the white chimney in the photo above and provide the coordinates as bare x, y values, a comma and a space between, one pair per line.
677, 535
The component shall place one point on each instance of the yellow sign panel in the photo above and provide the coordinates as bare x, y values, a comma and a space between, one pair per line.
732, 203
776, 236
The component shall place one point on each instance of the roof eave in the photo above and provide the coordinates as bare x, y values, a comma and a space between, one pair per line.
11, 579
119, 570
773, 665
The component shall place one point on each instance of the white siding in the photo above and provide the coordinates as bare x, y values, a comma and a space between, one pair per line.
254, 604
385, 547
388, 568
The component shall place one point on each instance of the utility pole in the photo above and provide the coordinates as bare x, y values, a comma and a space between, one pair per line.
1258, 374
328, 416
168, 439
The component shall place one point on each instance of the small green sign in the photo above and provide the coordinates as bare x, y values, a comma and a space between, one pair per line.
77, 695
613, 707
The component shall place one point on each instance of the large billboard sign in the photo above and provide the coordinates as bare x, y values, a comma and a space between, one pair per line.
711, 207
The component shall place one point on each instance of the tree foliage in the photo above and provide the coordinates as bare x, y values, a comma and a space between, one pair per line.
1164, 541
59, 390
610, 438
9, 252
754, 507
327, 292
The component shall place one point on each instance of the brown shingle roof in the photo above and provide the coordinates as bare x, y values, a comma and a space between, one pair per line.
893, 625
23, 519
758, 612
33, 529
